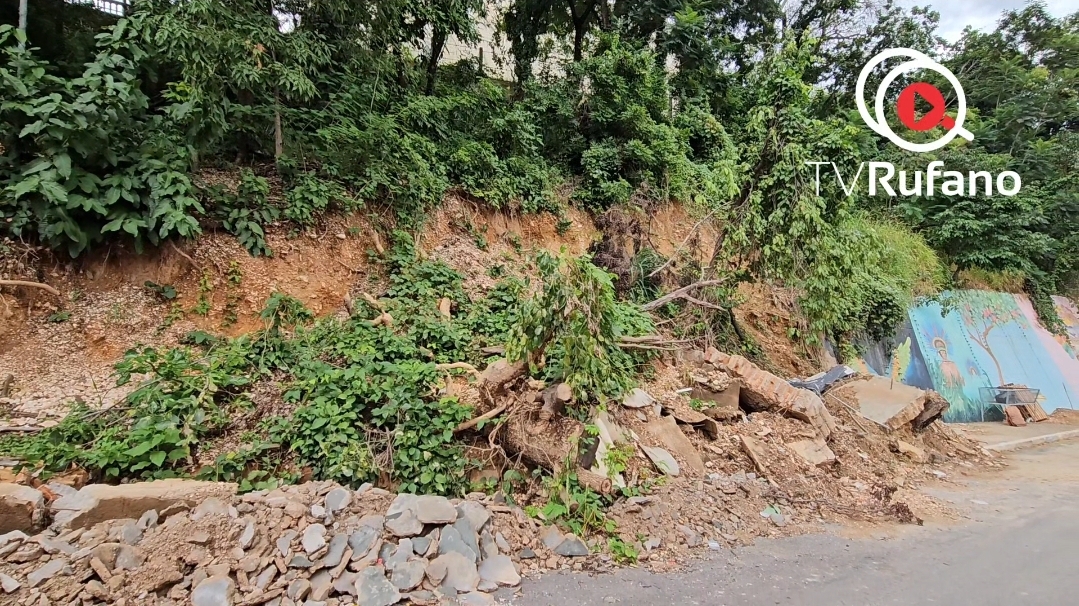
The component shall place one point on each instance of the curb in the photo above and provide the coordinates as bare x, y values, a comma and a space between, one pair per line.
1035, 441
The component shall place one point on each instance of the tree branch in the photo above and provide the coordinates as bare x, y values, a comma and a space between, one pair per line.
30, 284
681, 294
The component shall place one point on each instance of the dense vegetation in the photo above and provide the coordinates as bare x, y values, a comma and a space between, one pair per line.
716, 104
106, 127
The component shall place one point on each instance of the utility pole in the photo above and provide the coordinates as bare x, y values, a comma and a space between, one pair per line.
22, 23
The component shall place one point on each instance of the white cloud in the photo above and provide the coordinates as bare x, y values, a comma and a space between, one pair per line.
982, 14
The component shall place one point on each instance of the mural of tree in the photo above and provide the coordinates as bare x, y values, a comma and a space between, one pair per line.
984, 311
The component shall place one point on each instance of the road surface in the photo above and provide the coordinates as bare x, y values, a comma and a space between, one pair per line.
1019, 547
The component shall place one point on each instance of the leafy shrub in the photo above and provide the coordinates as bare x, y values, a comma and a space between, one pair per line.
576, 322
82, 159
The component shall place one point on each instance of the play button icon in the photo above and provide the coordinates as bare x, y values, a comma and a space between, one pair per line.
905, 108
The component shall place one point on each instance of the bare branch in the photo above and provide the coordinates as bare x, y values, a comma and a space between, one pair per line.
30, 285
680, 293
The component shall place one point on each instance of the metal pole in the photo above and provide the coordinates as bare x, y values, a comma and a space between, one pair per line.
22, 22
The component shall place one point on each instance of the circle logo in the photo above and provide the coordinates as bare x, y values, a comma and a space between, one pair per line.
905, 106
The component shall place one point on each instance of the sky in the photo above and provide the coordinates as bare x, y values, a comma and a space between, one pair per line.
982, 14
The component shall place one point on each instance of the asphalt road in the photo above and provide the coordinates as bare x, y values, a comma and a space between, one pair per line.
1018, 546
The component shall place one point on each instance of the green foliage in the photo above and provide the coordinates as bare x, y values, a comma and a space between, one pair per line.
246, 212
82, 158
310, 197
60, 316
574, 506
576, 322
167, 292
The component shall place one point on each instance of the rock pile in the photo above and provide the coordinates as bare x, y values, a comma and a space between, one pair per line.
313, 544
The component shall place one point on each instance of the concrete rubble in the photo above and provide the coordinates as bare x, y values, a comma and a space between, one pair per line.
741, 466
315, 543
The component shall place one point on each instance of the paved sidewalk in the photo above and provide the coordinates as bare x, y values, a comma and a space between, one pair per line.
999, 436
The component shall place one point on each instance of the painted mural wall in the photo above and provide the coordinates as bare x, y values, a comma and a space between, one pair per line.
985, 339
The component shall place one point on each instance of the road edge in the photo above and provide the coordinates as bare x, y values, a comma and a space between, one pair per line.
1034, 441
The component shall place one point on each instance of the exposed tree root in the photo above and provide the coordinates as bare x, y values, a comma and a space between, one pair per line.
30, 284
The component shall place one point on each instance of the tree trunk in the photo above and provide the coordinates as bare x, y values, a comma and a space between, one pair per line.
578, 42
22, 22
278, 134
438, 42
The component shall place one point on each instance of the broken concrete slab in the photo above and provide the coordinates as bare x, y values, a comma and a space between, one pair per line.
911, 451
638, 398
96, 503
666, 430
888, 404
17, 506
814, 452
762, 390
935, 407
663, 460
724, 404
755, 450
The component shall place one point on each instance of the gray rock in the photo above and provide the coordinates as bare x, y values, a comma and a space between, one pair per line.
46, 572
106, 552
476, 514
572, 547
299, 561
421, 544
693, 539
129, 558
501, 542
456, 571
210, 507
266, 577
314, 538
487, 586
638, 398
400, 555
404, 525
652, 543
500, 569
285, 541
406, 576
451, 542
148, 519
321, 585
214, 591
52, 546
475, 599
336, 551
13, 536
318, 511
130, 533
421, 597
714, 546
337, 499
401, 503
468, 535
8, 584
295, 509
362, 540
374, 521
778, 519
247, 537
346, 583
372, 588
526, 554
662, 459
551, 537
298, 589
487, 545
431, 509
386, 551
